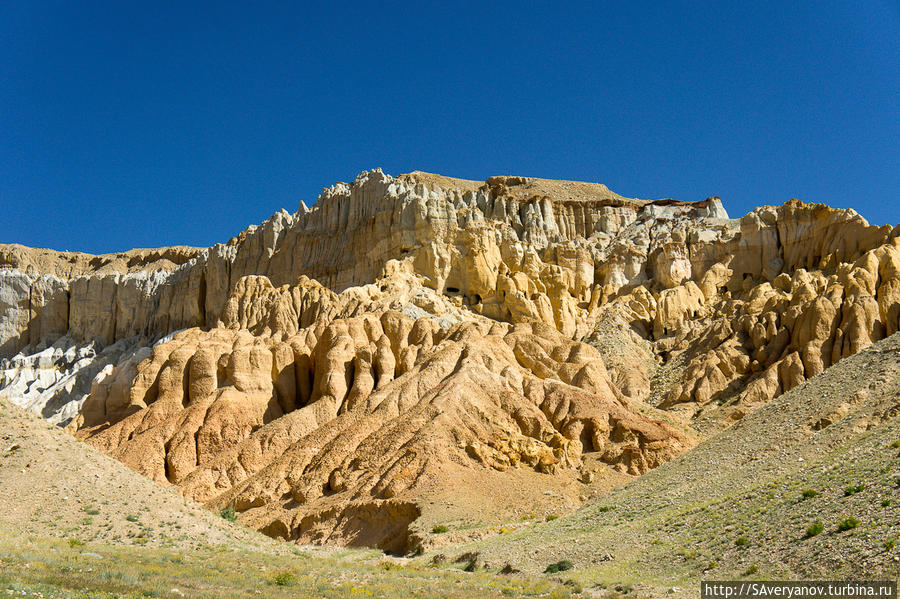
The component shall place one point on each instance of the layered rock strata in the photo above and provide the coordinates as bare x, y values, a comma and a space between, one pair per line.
336, 373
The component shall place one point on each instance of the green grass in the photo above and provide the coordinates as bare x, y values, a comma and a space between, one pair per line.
853, 490
560, 566
229, 513
815, 528
809, 493
848, 524
742, 542
35, 566
440, 528
285, 579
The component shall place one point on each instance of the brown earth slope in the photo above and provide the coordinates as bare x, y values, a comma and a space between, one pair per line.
53, 486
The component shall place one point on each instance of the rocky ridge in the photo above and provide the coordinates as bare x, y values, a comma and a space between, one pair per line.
336, 372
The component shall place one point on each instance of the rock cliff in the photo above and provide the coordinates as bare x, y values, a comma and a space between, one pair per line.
338, 373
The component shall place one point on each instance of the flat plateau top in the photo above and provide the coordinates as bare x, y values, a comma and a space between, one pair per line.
524, 188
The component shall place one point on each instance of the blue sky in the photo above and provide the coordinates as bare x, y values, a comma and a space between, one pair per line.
147, 124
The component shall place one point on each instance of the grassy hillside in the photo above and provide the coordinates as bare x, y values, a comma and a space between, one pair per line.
51, 568
807, 486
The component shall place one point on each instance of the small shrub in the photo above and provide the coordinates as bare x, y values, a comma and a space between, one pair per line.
560, 566
229, 513
439, 529
885, 503
810, 493
751, 571
853, 490
87, 521
688, 555
284, 579
551, 517
608, 508
742, 541
895, 444
848, 524
131, 518
815, 528
76, 543
890, 544
90, 511
712, 566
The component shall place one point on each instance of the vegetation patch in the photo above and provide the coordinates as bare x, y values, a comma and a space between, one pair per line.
560, 566
848, 524
229, 514
853, 490
284, 579
815, 528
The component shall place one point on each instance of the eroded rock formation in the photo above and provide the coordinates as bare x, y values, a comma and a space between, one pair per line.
338, 372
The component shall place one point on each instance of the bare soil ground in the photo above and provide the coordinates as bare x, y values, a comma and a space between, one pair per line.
53, 485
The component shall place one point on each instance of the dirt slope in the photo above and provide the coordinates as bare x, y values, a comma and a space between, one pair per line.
76, 523
682, 521
52, 485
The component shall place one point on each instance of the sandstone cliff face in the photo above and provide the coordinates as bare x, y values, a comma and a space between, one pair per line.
468, 243
335, 371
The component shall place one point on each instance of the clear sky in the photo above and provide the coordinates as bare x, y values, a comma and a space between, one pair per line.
141, 124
